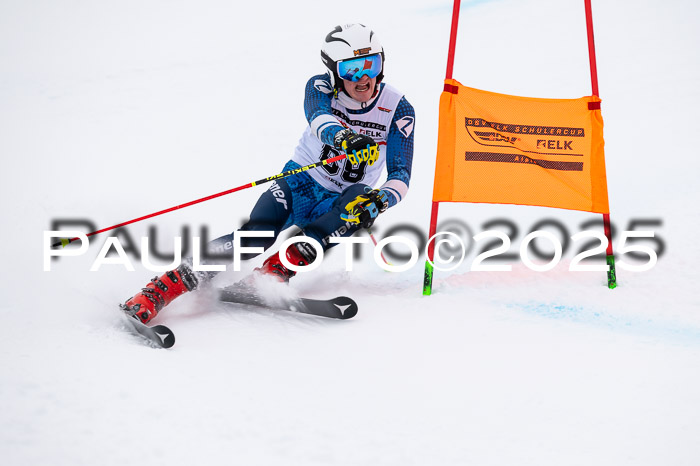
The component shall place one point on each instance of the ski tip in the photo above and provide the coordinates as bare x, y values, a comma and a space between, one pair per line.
166, 336
158, 336
346, 306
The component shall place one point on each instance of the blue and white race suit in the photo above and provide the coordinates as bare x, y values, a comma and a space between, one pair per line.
314, 199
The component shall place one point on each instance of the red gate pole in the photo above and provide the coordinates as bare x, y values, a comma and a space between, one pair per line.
610, 259
428, 275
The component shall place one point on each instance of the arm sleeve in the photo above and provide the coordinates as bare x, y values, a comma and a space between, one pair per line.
317, 107
399, 152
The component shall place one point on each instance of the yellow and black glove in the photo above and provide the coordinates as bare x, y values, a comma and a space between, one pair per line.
358, 147
365, 208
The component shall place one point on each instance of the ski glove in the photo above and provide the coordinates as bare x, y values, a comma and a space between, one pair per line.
358, 147
365, 208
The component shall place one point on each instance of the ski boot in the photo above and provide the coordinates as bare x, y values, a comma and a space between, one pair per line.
297, 253
160, 292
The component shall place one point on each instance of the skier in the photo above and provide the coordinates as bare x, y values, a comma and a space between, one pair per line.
358, 115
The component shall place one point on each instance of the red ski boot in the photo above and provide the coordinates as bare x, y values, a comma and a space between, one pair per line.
297, 253
146, 304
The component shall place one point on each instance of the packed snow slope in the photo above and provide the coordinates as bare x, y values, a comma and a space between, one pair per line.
113, 110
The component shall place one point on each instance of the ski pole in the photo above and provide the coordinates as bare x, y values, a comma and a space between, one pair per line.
375, 245
65, 241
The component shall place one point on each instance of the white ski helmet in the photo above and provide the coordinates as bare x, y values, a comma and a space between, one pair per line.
352, 41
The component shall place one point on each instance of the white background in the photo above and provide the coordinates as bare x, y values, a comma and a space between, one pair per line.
113, 110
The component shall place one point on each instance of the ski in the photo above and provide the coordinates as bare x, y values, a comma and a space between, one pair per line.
158, 335
340, 307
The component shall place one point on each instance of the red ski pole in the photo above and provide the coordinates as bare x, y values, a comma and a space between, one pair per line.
65, 241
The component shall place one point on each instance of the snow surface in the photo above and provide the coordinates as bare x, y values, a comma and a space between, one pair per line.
112, 110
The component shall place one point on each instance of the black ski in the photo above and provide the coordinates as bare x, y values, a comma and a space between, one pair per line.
340, 307
159, 335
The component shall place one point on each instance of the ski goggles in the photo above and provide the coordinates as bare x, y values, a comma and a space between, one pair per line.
355, 68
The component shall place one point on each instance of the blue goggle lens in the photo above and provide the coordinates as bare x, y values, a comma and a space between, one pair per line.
355, 68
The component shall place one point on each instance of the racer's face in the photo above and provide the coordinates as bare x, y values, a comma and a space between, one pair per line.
362, 90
